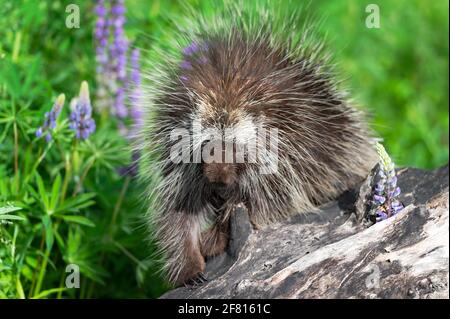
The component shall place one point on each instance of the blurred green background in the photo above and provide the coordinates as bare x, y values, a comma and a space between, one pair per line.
397, 73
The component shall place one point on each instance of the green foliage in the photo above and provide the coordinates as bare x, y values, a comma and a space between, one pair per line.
63, 202
398, 73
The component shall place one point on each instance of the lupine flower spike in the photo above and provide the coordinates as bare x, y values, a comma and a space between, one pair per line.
386, 192
111, 55
118, 51
101, 35
193, 51
50, 119
80, 118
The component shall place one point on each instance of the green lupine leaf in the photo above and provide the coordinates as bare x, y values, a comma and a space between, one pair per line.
48, 292
42, 192
77, 219
4, 213
5, 131
48, 227
59, 240
55, 192
11, 217
76, 203
9, 209
19, 289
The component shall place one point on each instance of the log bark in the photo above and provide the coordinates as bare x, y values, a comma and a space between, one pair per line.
332, 254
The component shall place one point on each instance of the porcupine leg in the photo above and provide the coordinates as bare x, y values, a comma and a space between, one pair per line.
214, 241
180, 236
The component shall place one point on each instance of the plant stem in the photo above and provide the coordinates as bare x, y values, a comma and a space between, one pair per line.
83, 290
16, 148
128, 254
19, 288
60, 149
16, 46
61, 281
67, 176
33, 280
83, 176
43, 267
36, 164
68, 171
42, 273
118, 204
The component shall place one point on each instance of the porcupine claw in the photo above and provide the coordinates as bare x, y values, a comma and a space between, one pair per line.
202, 276
196, 282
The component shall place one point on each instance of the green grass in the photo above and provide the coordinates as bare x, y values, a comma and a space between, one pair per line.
398, 73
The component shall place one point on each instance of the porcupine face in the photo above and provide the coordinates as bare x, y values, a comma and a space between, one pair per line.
224, 129
224, 138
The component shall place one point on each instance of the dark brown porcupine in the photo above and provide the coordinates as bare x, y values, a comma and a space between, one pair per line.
238, 78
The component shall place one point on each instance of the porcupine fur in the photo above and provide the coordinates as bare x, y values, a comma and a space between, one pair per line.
244, 70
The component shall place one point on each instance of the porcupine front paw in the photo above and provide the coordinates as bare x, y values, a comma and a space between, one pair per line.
192, 272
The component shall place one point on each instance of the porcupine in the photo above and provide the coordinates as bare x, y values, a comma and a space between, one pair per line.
237, 73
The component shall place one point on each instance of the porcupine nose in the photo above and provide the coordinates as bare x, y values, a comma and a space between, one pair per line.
220, 175
219, 185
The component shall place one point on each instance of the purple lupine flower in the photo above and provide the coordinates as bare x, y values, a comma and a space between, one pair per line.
103, 69
194, 48
135, 68
80, 118
203, 59
50, 119
132, 169
191, 49
396, 206
185, 64
135, 81
121, 109
118, 8
39, 132
381, 174
392, 193
379, 188
386, 191
379, 199
101, 34
393, 181
111, 56
118, 51
395, 192
381, 215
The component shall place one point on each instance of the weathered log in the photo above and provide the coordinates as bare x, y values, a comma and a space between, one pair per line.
331, 254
